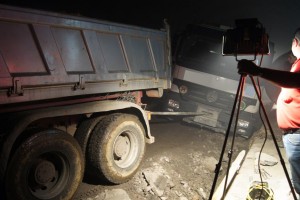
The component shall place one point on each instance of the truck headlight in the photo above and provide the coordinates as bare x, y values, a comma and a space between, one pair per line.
243, 123
173, 104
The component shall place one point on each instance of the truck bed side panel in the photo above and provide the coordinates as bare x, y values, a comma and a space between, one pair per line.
48, 55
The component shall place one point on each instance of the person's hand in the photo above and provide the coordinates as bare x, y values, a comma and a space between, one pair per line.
248, 67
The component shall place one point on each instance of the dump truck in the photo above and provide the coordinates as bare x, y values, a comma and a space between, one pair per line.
71, 92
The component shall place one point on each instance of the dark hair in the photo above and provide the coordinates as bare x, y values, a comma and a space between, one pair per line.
297, 34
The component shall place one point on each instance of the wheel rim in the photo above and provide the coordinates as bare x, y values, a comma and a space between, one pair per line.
125, 149
48, 174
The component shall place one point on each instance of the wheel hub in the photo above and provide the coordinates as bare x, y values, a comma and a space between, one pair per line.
122, 146
45, 172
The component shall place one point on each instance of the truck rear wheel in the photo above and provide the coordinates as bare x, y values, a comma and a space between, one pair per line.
116, 147
83, 133
47, 165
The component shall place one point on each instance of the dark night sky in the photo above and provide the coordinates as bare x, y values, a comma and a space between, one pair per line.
279, 17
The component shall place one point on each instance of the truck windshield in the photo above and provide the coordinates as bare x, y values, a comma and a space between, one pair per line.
201, 49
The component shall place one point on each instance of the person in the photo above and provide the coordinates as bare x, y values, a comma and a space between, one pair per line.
288, 104
282, 62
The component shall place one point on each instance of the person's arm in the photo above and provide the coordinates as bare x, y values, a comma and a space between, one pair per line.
281, 78
284, 79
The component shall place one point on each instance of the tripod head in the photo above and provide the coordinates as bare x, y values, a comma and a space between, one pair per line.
247, 38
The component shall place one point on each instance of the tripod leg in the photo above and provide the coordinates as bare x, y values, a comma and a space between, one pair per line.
274, 139
218, 166
233, 138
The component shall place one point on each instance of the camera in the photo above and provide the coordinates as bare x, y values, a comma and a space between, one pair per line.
247, 38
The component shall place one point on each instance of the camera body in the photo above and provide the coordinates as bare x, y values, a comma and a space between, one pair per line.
248, 38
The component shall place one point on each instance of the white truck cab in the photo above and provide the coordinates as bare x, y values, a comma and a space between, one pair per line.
205, 81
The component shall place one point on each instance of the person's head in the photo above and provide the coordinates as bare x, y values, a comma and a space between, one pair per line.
296, 44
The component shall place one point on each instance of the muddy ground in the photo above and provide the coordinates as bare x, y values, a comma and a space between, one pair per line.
180, 164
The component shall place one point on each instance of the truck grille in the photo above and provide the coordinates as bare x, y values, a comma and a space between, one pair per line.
212, 97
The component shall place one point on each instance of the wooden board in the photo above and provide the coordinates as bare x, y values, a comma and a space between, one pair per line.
235, 166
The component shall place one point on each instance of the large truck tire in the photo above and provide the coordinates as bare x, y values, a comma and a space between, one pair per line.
48, 165
83, 132
116, 148
82, 135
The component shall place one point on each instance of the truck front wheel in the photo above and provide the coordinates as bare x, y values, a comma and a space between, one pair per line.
116, 147
47, 165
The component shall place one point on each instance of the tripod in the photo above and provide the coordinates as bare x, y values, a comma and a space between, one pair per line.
238, 98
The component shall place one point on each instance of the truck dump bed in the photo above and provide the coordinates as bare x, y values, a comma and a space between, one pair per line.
46, 55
